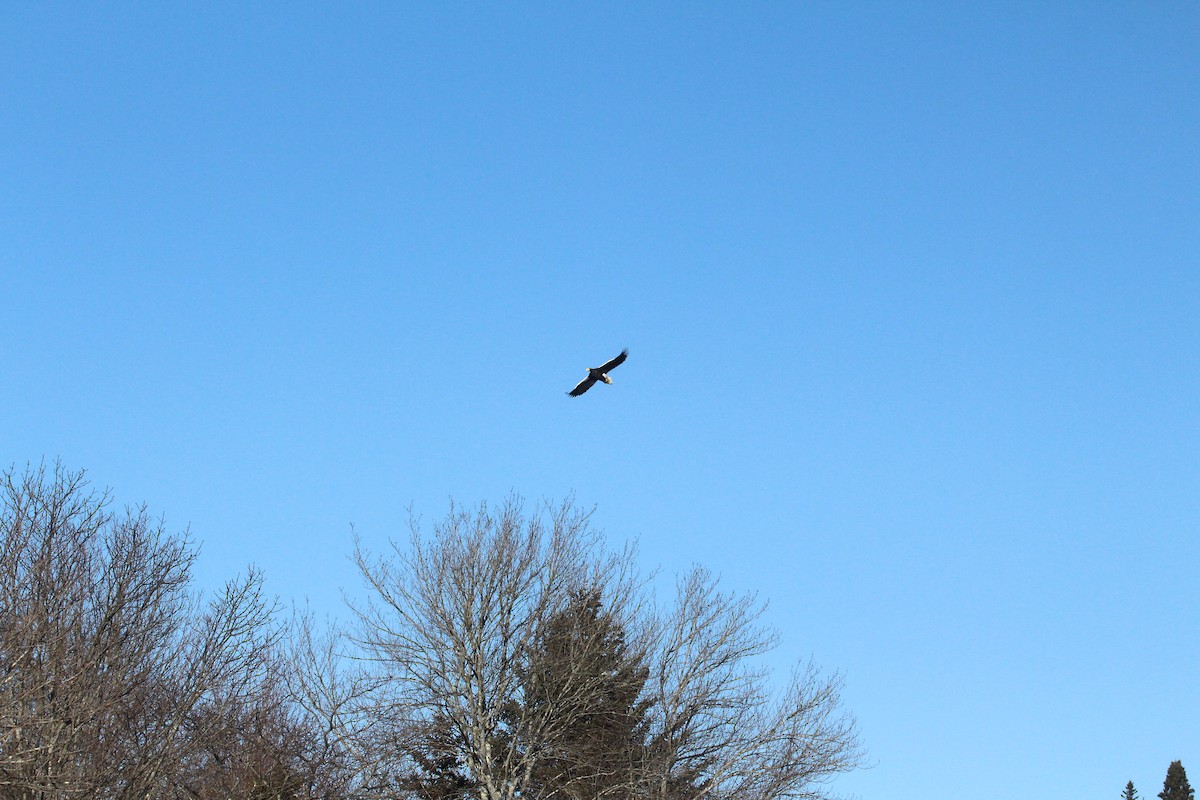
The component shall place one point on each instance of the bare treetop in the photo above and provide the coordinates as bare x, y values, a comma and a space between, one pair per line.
465, 623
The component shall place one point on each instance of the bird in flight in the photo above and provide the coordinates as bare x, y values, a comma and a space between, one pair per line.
599, 373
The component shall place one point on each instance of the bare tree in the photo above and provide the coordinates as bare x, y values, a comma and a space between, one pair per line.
718, 729
485, 670
501, 656
329, 698
453, 618
106, 660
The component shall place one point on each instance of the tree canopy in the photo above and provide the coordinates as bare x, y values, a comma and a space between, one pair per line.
529, 658
498, 656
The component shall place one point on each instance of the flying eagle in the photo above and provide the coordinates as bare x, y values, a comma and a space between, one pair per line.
599, 373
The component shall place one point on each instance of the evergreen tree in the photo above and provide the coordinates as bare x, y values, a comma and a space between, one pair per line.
1130, 793
584, 673
1176, 786
437, 772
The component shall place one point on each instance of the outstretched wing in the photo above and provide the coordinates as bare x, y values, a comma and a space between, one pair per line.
582, 386
616, 362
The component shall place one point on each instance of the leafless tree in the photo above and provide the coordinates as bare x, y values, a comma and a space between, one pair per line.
719, 730
457, 624
109, 668
453, 617
329, 696
500, 656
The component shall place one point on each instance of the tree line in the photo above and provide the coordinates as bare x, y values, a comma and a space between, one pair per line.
498, 655
1175, 785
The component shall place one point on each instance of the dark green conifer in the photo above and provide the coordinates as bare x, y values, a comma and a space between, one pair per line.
1130, 793
583, 672
437, 772
1176, 786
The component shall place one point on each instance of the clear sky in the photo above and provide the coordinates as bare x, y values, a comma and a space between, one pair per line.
911, 293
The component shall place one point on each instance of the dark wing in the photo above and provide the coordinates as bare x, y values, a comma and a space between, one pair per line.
582, 386
616, 362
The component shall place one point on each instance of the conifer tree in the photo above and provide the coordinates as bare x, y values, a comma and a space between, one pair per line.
584, 669
1130, 793
1176, 786
436, 772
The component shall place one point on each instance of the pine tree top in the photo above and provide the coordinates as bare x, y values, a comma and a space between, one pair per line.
1176, 786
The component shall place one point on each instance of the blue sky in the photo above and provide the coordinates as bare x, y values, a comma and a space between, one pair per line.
911, 291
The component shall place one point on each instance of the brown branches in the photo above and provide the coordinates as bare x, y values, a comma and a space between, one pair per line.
500, 656
108, 666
